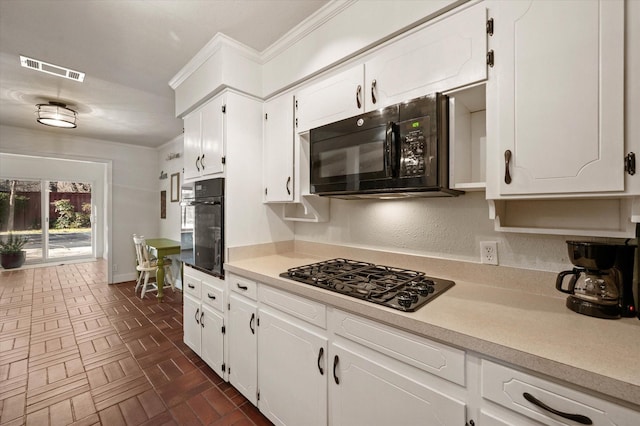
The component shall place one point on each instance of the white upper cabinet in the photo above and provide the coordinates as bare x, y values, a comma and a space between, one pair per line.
331, 99
442, 56
278, 161
556, 96
204, 140
211, 160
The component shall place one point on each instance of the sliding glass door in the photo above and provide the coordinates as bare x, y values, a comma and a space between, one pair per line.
56, 217
69, 219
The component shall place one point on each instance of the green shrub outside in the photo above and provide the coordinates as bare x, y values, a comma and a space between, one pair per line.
69, 218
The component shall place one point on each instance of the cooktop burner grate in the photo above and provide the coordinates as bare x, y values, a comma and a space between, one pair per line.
397, 288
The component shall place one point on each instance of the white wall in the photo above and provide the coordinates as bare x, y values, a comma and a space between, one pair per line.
450, 228
170, 226
133, 189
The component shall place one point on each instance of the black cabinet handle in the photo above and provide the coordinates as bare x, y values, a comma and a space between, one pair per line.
191, 286
242, 287
373, 91
359, 96
253, 318
287, 185
197, 312
583, 420
320, 353
202, 162
507, 160
211, 296
336, 360
202, 319
198, 160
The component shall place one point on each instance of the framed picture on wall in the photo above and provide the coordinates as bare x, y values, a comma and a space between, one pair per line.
163, 204
175, 187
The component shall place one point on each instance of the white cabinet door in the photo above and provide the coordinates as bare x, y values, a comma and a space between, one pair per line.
278, 161
191, 323
192, 153
331, 99
557, 90
357, 382
243, 346
292, 367
212, 339
444, 55
212, 136
204, 140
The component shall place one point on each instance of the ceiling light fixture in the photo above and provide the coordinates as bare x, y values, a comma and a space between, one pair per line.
56, 114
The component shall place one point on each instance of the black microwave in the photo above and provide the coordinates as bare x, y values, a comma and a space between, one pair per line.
401, 150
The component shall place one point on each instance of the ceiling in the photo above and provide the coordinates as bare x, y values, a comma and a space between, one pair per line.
129, 50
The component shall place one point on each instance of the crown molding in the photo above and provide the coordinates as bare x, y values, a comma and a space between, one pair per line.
310, 24
211, 48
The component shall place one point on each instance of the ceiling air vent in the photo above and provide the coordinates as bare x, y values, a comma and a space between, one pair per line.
48, 68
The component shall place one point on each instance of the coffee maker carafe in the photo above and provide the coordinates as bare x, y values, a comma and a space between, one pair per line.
600, 284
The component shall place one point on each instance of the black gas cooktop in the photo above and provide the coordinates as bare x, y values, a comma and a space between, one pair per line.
397, 288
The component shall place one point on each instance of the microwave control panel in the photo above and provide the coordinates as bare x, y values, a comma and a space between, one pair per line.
413, 148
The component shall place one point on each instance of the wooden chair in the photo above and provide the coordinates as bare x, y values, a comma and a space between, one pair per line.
147, 266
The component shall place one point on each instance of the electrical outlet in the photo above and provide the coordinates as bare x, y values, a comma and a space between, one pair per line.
115, 267
489, 252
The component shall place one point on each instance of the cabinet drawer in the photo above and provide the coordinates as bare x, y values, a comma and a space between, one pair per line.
243, 286
429, 356
213, 296
508, 387
191, 285
305, 309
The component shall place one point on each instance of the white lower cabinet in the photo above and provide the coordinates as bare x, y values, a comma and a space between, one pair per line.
243, 346
541, 401
191, 315
203, 313
212, 344
292, 371
303, 363
366, 389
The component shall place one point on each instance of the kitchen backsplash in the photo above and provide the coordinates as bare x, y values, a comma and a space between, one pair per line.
449, 228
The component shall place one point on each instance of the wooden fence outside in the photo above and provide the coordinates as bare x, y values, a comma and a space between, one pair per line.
27, 214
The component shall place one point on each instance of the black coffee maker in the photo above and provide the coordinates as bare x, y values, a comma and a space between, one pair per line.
601, 283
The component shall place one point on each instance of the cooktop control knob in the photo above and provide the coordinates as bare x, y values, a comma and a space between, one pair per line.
406, 299
423, 289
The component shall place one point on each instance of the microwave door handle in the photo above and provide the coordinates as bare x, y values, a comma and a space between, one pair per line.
391, 150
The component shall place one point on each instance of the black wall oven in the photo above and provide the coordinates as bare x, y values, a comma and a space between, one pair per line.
402, 149
206, 252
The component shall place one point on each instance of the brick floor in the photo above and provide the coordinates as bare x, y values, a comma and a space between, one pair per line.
76, 351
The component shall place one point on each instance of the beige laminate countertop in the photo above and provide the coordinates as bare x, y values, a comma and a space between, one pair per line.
535, 332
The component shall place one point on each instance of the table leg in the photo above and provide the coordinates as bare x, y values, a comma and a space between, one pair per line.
160, 278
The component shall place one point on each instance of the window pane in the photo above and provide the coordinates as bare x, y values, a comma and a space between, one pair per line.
20, 213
